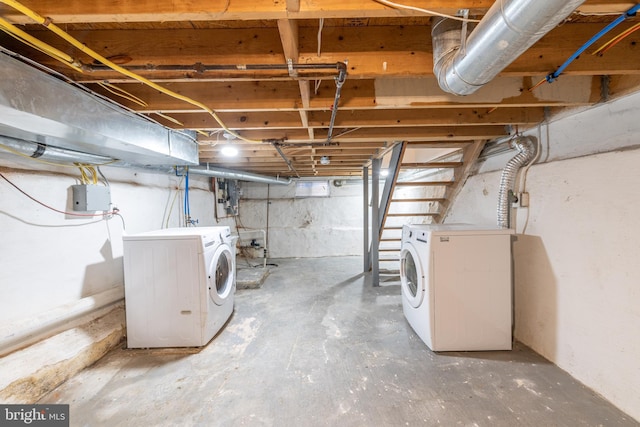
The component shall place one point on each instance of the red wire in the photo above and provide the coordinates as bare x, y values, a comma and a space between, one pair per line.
537, 84
54, 209
621, 37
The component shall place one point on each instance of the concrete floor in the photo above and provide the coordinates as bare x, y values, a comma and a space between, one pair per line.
316, 345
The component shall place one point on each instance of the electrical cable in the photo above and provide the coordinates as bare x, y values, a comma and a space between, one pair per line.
551, 77
39, 45
124, 227
122, 93
103, 214
115, 67
106, 181
176, 121
425, 11
320, 26
617, 39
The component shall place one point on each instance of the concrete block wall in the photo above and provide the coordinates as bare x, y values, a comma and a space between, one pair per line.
575, 258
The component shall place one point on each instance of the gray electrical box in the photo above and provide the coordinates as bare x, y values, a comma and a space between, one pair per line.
91, 197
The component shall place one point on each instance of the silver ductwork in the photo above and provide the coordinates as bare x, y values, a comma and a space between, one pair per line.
526, 146
508, 29
35, 106
57, 154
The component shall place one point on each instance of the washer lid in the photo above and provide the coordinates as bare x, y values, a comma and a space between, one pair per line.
412, 275
221, 274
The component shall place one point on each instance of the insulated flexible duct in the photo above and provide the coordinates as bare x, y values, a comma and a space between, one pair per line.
526, 147
508, 29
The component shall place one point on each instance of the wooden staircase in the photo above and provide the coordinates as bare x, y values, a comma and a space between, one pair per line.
419, 193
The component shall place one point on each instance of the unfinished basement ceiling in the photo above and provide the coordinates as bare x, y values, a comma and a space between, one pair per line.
199, 49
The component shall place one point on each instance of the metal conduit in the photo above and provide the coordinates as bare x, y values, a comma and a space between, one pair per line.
342, 76
508, 29
201, 68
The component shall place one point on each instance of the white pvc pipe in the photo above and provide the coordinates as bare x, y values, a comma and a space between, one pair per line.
22, 333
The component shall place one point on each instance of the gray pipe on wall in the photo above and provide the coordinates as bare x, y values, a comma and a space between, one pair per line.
527, 148
38, 150
509, 28
47, 152
22, 333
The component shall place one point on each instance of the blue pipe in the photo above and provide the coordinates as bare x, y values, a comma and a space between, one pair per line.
551, 77
187, 212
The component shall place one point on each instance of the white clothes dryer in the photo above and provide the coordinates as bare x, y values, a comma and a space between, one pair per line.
456, 286
179, 285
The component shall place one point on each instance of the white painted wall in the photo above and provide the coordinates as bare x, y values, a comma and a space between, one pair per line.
48, 259
577, 286
305, 227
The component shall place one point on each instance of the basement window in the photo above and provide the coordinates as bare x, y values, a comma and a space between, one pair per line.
312, 189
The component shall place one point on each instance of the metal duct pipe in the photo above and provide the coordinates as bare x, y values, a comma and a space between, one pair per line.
240, 176
508, 29
47, 152
526, 146
20, 334
38, 150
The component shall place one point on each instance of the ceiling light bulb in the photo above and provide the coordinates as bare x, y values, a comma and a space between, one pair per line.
384, 172
229, 151
324, 160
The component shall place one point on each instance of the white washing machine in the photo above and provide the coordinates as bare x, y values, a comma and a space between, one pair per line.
457, 286
179, 285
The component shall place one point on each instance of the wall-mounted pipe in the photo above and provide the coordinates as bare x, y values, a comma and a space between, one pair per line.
509, 28
201, 68
56, 154
526, 146
240, 176
41, 151
20, 334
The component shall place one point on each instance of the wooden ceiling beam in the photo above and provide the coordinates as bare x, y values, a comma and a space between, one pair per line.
429, 117
447, 133
359, 94
71, 11
372, 52
358, 118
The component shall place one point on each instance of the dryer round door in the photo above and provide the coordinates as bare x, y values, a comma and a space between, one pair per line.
412, 275
221, 274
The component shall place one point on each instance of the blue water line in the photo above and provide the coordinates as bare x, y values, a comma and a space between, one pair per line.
187, 212
551, 77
